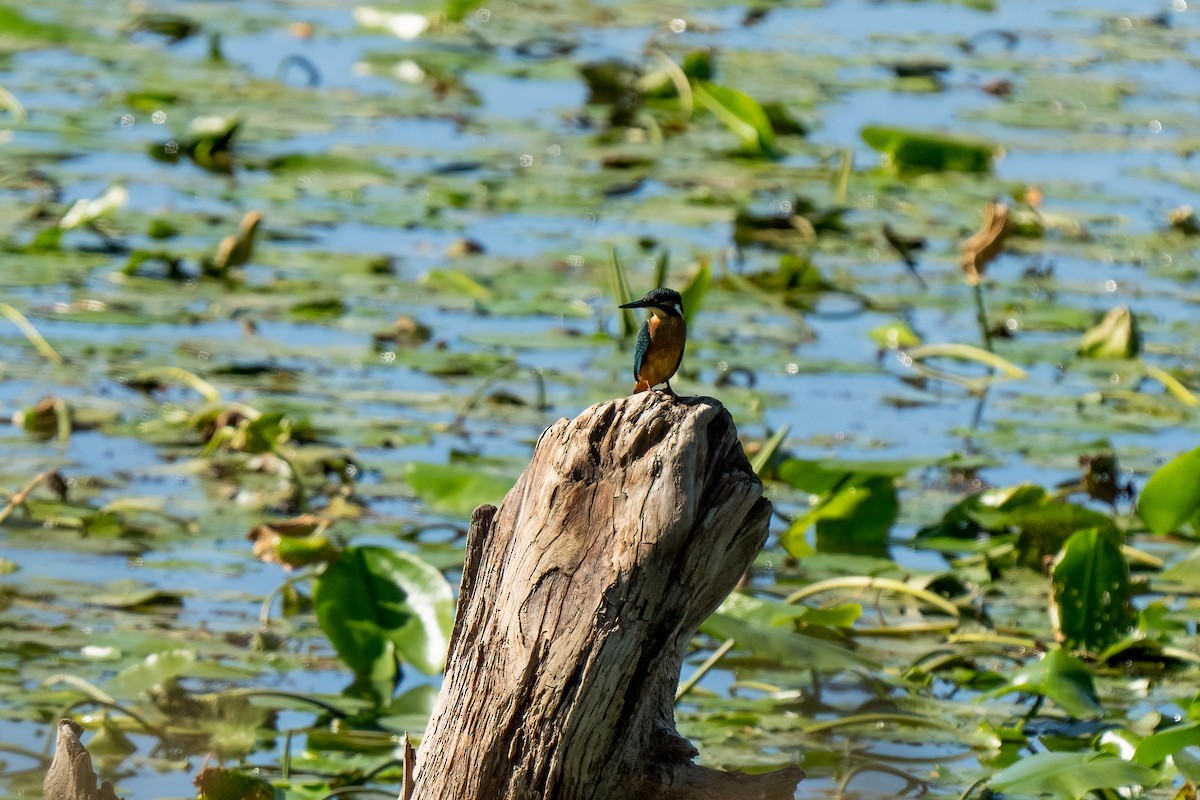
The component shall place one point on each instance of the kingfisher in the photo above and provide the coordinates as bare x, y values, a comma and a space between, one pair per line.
661, 340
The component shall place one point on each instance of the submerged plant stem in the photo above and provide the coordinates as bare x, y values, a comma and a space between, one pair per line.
866, 583
981, 316
20, 496
297, 483
31, 333
708, 664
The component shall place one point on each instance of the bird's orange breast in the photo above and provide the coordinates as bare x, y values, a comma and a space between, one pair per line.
667, 338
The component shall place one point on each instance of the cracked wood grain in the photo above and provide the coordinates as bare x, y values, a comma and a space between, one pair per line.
579, 597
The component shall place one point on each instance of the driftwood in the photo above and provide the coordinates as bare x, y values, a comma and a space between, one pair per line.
71, 776
579, 597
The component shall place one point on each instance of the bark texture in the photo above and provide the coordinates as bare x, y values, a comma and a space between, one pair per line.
71, 776
579, 597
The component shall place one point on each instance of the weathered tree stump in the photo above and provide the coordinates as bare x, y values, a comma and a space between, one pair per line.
579, 597
71, 776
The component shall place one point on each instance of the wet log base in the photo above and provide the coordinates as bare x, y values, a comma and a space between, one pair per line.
579, 597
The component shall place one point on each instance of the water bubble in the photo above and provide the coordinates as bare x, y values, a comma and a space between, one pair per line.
1110, 286
1155, 126
575, 262
840, 436
1114, 379
87, 629
351, 471
171, 148
158, 117
793, 368
127, 120
1179, 5
785, 206
203, 355
137, 562
526, 160
873, 253
554, 151
1012, 324
387, 356
483, 15
304, 181
677, 25
180, 478
1125, 23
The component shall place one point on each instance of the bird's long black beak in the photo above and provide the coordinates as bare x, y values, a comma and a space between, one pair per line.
643, 303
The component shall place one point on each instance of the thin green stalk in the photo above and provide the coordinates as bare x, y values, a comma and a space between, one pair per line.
473, 400
321, 704
763, 456
36, 339
264, 612
297, 483
981, 315
181, 375
872, 719
841, 181
864, 583
708, 664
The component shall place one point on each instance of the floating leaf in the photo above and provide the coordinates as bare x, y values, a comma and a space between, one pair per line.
1044, 528
455, 489
784, 649
1116, 336
932, 151
456, 282
894, 336
1171, 497
1090, 582
220, 783
295, 542
855, 516
741, 113
152, 671
1062, 678
134, 596
1071, 776
1159, 746
381, 607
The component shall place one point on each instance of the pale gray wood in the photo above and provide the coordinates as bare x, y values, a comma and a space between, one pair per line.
579, 597
71, 776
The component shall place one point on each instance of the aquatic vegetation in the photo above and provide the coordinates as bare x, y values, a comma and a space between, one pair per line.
326, 274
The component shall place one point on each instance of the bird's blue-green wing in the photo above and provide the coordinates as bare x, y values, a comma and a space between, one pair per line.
639, 350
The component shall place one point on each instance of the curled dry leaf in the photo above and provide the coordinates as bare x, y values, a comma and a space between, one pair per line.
236, 250
1183, 219
985, 245
294, 542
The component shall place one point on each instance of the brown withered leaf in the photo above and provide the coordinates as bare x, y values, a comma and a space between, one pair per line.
985, 245
293, 542
237, 249
1183, 219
